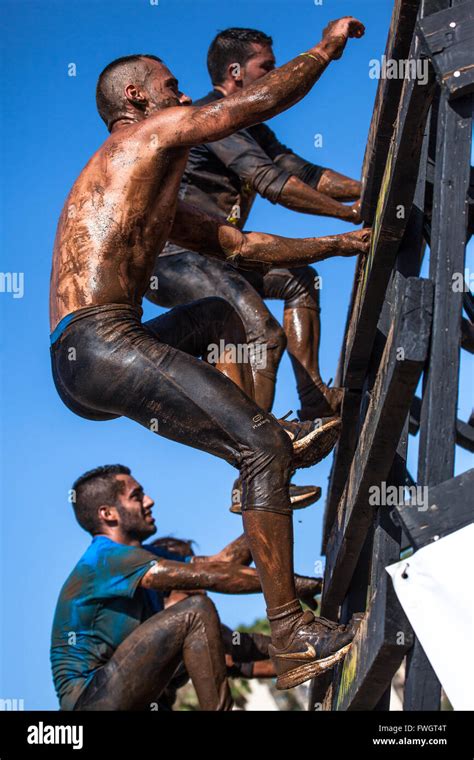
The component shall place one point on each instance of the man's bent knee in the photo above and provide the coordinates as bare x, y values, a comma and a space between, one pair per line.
266, 469
302, 288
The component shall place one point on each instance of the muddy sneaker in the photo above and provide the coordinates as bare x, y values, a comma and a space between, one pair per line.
300, 497
312, 440
316, 646
325, 402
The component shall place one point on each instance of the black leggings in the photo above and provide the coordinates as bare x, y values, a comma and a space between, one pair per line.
185, 276
107, 363
142, 666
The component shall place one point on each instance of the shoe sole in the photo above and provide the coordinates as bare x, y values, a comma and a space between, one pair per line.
316, 445
297, 502
310, 670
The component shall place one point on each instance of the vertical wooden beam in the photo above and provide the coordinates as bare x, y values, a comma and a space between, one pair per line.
448, 239
438, 414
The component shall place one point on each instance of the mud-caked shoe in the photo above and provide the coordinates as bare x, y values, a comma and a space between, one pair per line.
300, 497
315, 647
312, 440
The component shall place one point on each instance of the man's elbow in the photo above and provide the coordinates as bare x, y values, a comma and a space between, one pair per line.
268, 184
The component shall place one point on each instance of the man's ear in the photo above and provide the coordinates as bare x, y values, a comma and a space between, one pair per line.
107, 513
234, 71
135, 95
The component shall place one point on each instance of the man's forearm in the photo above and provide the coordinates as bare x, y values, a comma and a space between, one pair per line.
298, 196
261, 248
207, 234
167, 575
223, 577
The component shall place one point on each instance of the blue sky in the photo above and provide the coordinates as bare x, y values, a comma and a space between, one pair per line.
49, 130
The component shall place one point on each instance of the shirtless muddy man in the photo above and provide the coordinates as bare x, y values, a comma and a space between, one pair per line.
107, 363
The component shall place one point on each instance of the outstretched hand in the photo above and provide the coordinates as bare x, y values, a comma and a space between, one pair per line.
355, 243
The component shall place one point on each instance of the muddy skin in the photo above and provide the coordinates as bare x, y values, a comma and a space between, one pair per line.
338, 186
118, 214
198, 231
237, 553
298, 196
121, 208
247, 659
224, 577
302, 327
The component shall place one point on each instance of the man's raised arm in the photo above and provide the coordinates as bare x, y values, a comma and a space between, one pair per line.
270, 95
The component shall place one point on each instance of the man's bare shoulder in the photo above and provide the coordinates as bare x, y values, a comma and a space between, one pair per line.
175, 126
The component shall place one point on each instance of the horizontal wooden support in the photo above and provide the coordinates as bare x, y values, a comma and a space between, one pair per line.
393, 211
467, 335
391, 397
468, 303
447, 38
384, 636
465, 435
464, 431
386, 104
448, 508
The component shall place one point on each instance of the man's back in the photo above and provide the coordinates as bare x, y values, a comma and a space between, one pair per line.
117, 215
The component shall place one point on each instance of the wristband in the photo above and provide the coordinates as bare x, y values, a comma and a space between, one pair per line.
324, 57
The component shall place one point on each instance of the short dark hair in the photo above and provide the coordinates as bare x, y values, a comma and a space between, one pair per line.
232, 46
93, 489
109, 90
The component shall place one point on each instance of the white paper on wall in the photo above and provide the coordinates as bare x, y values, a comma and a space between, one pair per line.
435, 587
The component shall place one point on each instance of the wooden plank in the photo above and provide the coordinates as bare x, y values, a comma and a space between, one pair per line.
393, 210
447, 37
449, 507
376, 652
390, 402
422, 689
387, 98
342, 459
365, 677
465, 435
438, 413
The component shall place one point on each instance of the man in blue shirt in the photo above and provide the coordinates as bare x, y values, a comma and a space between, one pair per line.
114, 646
